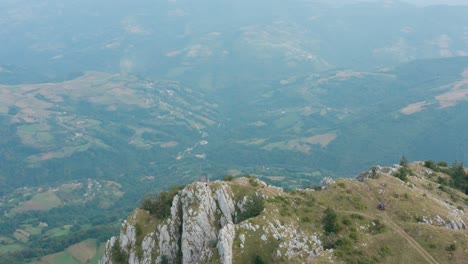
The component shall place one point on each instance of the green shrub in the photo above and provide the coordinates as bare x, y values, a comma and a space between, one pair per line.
138, 230
254, 182
146, 202
259, 260
346, 221
228, 178
315, 187
374, 172
359, 206
385, 251
377, 227
343, 242
160, 206
459, 177
402, 173
366, 261
118, 255
442, 163
254, 206
430, 164
329, 241
330, 221
442, 188
164, 259
403, 161
284, 211
451, 247
310, 202
357, 216
213, 243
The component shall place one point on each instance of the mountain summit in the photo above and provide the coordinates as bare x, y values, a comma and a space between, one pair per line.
376, 218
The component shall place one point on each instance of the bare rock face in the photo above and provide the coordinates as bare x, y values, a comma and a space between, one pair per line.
107, 258
326, 182
200, 229
454, 220
128, 238
226, 238
226, 205
168, 234
376, 171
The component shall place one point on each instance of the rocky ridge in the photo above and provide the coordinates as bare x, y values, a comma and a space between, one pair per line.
208, 222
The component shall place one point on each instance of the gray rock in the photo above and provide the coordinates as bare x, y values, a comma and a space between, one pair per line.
198, 229
225, 240
225, 204
202, 224
326, 182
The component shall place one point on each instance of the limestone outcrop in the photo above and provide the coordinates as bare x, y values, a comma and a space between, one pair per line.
204, 223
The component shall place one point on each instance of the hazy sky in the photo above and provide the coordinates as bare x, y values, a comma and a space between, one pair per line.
417, 2
437, 2
414, 2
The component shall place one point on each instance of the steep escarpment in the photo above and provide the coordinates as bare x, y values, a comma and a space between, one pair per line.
211, 223
247, 221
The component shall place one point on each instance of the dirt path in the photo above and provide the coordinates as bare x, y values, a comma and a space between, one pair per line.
410, 240
386, 219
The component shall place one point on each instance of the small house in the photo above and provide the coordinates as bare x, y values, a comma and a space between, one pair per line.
203, 179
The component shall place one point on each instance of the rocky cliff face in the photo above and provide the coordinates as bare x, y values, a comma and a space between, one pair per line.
202, 228
220, 222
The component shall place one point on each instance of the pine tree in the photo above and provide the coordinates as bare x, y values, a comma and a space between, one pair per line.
403, 161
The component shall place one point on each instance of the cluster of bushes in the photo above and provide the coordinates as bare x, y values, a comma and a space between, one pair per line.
404, 171
435, 166
377, 227
118, 255
253, 207
160, 206
459, 177
228, 178
259, 260
344, 245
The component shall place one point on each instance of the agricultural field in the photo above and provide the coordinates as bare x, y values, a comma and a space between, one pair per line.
33, 214
88, 251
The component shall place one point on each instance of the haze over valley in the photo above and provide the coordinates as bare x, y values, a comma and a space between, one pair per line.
102, 102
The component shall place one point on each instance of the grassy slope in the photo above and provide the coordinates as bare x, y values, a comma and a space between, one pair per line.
402, 237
